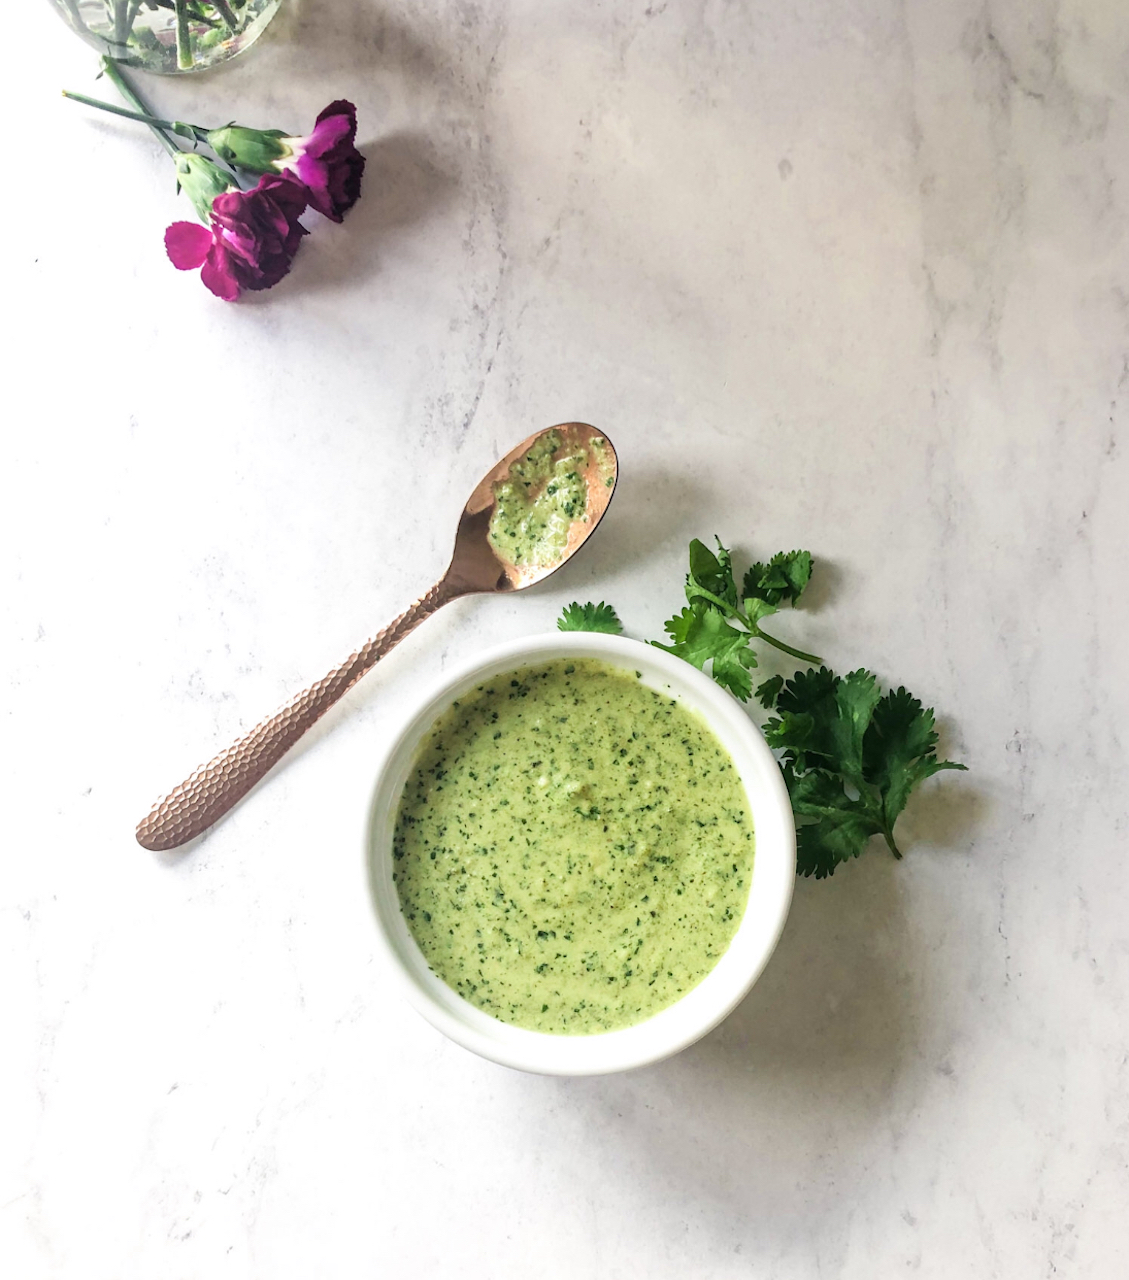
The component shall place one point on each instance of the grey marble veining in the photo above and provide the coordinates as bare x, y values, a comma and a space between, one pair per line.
849, 276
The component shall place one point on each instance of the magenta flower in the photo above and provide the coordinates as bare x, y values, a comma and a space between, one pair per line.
251, 241
326, 163
249, 238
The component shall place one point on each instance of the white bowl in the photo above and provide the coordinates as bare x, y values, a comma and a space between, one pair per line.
699, 1010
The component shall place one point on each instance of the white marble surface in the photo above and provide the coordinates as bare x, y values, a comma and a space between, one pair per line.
845, 275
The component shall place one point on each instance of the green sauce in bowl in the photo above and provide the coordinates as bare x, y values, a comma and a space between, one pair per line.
572, 850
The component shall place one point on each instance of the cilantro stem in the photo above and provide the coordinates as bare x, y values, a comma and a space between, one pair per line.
785, 648
723, 605
888, 836
753, 629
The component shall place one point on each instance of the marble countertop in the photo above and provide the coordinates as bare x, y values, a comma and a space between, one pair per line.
844, 276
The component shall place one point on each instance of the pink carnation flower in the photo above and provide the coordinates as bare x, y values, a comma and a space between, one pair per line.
251, 241
327, 162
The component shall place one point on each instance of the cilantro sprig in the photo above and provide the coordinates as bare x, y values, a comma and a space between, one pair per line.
705, 631
851, 758
851, 755
590, 617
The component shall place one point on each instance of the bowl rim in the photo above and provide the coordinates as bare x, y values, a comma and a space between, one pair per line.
703, 1007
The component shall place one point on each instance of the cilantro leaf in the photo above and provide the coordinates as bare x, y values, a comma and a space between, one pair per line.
856, 697
900, 749
808, 691
806, 709
711, 575
825, 717
767, 692
851, 759
700, 635
767, 586
590, 617
839, 827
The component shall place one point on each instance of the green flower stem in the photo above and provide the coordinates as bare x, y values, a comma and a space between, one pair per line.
197, 14
173, 126
116, 77
76, 16
121, 24
183, 37
224, 10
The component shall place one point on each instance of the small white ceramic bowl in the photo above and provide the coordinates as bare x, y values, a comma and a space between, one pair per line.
701, 1009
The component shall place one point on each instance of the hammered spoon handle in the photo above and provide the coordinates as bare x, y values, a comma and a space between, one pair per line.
214, 788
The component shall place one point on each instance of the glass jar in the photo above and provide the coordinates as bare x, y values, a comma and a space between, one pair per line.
169, 35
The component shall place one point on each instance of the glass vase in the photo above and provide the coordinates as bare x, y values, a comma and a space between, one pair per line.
169, 36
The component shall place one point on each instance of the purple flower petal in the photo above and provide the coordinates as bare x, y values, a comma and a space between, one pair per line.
336, 123
187, 244
218, 275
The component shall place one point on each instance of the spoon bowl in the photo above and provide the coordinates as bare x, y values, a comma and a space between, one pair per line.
478, 563
488, 557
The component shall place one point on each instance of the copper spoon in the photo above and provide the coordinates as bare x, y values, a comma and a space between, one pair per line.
476, 565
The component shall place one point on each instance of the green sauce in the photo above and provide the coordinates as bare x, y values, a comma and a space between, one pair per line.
540, 498
572, 850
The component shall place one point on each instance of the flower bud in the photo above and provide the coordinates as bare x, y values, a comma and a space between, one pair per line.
252, 149
202, 180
